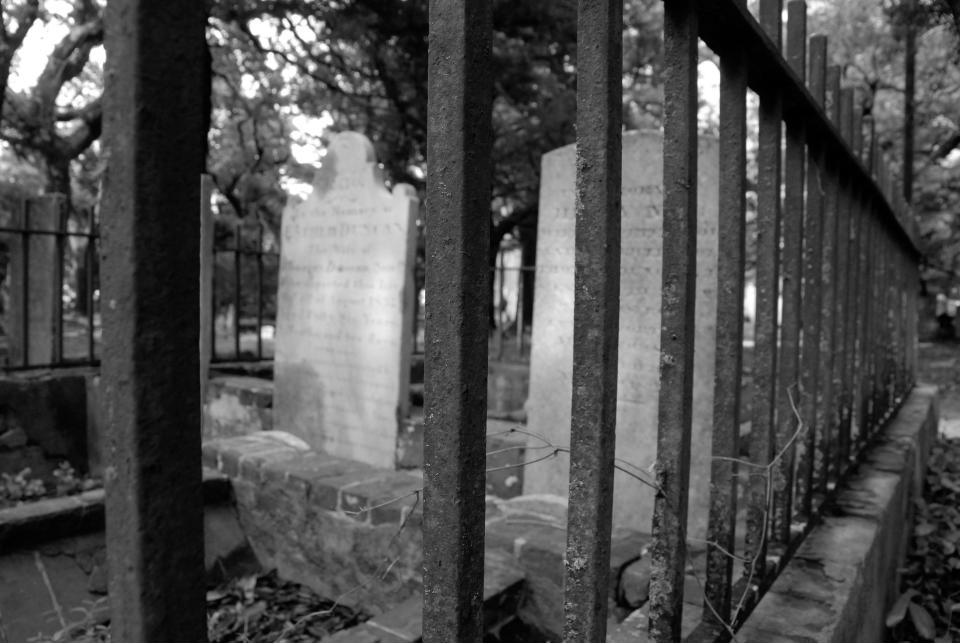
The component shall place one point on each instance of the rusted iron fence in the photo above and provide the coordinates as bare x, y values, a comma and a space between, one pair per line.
835, 248
50, 286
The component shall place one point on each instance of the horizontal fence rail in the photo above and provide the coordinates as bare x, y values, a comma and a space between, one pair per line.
836, 249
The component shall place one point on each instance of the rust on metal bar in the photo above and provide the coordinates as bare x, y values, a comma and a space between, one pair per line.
795, 157
815, 274
596, 320
829, 412
855, 295
771, 20
845, 273
731, 254
668, 550
155, 134
729, 26
765, 328
459, 136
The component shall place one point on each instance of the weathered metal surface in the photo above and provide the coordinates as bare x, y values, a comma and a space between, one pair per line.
831, 343
788, 397
815, 273
154, 136
765, 333
770, 14
668, 551
845, 273
729, 26
856, 294
458, 212
731, 255
596, 320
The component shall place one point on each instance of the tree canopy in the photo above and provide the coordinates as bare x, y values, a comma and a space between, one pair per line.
283, 71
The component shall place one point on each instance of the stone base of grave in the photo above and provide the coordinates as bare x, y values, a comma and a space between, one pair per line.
239, 405
329, 523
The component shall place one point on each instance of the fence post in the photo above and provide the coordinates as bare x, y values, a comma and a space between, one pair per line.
817, 275
668, 552
155, 135
791, 273
459, 141
596, 320
731, 256
768, 280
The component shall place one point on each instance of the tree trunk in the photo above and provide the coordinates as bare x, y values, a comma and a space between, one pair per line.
58, 177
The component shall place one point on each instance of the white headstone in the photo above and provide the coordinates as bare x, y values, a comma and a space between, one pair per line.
639, 348
344, 310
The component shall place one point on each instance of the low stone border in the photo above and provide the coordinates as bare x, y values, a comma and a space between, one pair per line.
843, 579
33, 523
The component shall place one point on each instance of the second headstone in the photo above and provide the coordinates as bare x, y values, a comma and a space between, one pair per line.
639, 348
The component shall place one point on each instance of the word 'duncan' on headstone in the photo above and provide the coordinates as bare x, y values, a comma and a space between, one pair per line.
639, 348
344, 308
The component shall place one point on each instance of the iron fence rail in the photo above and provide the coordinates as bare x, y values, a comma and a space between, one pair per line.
834, 242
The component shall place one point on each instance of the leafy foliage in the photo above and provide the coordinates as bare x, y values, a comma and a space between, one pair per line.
929, 607
24, 487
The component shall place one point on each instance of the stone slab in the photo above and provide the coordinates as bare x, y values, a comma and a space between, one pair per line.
344, 320
640, 297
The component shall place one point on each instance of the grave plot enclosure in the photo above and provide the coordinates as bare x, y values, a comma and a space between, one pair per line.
829, 370
832, 229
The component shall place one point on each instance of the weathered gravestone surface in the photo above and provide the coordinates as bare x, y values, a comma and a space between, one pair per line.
638, 381
344, 308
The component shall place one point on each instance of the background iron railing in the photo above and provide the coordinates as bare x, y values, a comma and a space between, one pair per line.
50, 286
244, 295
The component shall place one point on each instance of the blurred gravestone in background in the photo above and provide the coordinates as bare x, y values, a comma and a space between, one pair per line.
345, 308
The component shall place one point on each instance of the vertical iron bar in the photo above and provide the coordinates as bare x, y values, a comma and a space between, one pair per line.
90, 259
25, 296
521, 279
668, 550
259, 257
155, 135
844, 294
596, 316
768, 278
213, 302
827, 391
498, 283
459, 139
731, 256
816, 273
237, 289
60, 207
791, 272
857, 294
